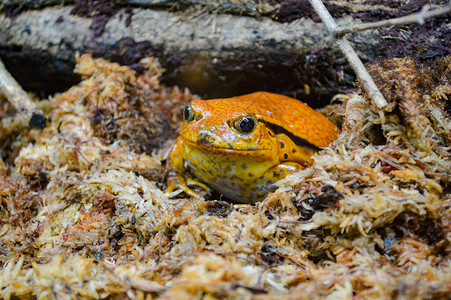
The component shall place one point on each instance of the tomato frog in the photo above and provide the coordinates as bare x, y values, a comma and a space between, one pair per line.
240, 146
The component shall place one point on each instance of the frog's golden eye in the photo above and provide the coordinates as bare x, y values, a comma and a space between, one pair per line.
245, 125
188, 114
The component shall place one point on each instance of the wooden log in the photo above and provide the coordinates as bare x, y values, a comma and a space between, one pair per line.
216, 55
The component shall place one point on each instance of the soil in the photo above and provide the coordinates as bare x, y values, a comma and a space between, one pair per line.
291, 10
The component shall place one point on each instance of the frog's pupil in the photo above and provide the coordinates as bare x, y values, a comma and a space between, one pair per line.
247, 125
186, 113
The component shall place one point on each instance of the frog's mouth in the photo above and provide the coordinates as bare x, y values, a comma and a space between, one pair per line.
207, 143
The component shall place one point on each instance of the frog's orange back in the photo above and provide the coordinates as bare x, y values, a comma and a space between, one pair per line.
284, 113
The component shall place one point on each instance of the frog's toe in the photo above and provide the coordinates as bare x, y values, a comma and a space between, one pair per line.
173, 184
177, 183
191, 182
282, 170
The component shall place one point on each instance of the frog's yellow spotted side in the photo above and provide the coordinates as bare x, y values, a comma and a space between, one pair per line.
240, 146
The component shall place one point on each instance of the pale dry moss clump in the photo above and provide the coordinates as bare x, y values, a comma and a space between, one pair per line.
85, 217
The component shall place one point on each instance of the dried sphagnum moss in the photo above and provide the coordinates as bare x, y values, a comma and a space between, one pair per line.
82, 217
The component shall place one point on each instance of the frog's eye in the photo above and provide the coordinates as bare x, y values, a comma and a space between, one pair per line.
188, 114
245, 125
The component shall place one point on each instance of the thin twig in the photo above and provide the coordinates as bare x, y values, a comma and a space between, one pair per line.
419, 17
20, 99
350, 55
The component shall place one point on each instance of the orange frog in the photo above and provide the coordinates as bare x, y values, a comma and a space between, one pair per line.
240, 146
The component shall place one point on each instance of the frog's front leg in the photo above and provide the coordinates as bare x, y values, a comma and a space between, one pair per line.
177, 170
282, 170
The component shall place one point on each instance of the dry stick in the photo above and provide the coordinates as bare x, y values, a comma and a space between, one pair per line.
350, 55
413, 18
19, 99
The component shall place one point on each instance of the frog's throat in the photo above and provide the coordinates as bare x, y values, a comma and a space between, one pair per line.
215, 149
